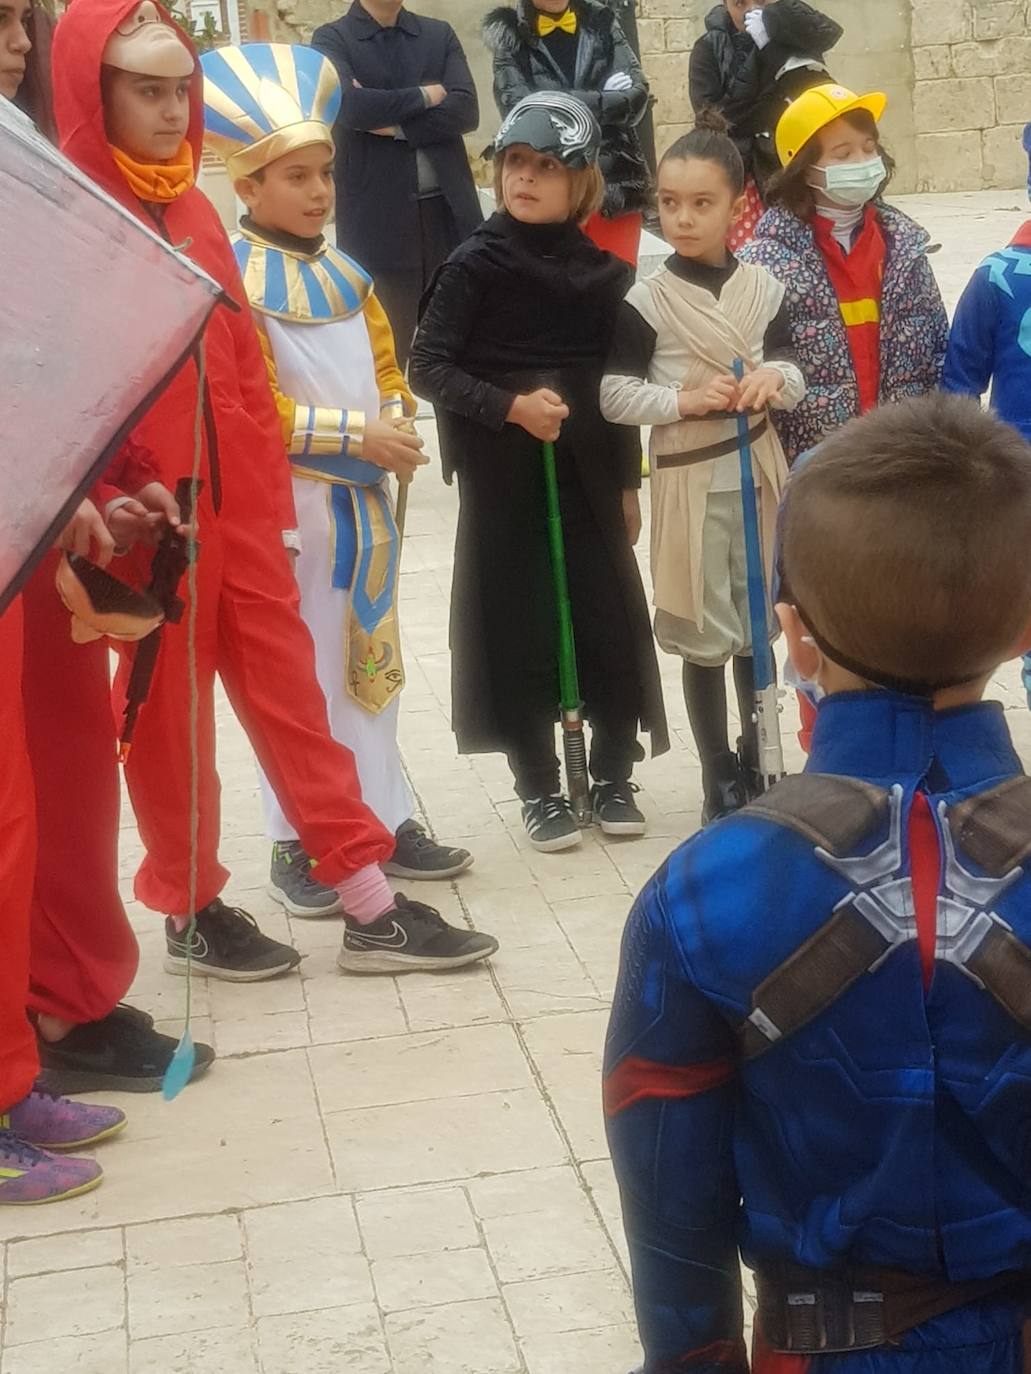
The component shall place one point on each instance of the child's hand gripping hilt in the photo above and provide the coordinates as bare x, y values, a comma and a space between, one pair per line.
174, 555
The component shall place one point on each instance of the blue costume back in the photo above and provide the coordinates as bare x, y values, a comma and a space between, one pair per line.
990, 340
820, 1053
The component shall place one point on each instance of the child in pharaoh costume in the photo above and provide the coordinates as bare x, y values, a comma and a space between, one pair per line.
344, 408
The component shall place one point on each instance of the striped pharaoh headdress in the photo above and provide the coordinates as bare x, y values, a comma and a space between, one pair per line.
263, 100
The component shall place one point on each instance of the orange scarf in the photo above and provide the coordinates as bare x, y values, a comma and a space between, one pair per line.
159, 182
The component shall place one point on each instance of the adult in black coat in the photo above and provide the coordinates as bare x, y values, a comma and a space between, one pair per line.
405, 194
594, 62
754, 59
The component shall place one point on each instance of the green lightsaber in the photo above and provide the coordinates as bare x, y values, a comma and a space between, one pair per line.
574, 748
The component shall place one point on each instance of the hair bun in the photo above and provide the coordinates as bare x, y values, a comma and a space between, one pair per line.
711, 120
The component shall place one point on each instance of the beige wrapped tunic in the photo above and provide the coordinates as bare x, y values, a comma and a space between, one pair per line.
697, 338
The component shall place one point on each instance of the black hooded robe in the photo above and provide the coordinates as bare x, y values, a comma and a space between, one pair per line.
516, 307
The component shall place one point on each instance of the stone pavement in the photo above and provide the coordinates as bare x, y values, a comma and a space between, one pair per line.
389, 1176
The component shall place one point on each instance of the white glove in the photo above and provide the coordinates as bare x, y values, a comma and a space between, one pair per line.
755, 25
618, 81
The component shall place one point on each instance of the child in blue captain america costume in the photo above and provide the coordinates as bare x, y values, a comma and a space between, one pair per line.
990, 340
821, 1036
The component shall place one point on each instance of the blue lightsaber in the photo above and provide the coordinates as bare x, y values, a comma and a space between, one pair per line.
767, 709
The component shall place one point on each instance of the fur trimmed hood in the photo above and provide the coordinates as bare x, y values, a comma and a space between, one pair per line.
507, 26
523, 64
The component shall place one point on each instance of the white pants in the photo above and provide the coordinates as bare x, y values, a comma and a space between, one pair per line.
325, 608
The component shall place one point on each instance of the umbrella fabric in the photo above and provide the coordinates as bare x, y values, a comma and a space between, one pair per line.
98, 314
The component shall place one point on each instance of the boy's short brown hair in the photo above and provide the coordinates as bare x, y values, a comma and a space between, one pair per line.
586, 189
907, 543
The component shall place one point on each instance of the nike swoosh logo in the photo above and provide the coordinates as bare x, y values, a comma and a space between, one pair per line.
199, 949
397, 939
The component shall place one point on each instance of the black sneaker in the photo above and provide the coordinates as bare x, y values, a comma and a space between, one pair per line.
724, 788
227, 944
118, 1054
419, 856
410, 938
293, 887
550, 824
615, 809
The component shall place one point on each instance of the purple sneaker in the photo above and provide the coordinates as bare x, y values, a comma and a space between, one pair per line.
50, 1122
29, 1176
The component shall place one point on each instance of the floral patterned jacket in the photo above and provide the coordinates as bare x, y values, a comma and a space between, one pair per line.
914, 325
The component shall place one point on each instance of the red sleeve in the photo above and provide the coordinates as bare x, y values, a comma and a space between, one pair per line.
252, 378
132, 468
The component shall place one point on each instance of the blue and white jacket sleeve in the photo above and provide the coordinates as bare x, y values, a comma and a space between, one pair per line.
970, 356
669, 1100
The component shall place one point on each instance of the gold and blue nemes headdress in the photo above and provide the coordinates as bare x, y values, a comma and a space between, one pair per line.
264, 100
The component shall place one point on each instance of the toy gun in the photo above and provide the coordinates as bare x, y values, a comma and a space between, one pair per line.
174, 555
770, 755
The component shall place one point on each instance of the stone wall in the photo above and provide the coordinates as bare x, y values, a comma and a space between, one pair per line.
957, 74
972, 91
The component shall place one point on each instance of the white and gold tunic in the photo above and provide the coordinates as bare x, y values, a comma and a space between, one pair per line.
330, 356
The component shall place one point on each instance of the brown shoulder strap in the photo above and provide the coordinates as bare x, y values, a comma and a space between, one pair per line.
833, 812
994, 828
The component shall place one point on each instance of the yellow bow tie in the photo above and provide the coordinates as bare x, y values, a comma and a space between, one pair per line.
566, 22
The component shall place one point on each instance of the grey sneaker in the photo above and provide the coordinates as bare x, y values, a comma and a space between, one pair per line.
409, 939
615, 809
226, 943
418, 856
550, 824
293, 887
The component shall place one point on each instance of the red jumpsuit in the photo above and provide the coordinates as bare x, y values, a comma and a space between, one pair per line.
249, 627
84, 953
18, 1061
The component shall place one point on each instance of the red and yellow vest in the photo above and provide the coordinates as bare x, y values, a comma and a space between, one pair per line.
857, 278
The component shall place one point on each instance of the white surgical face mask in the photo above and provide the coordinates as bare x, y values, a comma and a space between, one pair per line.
849, 184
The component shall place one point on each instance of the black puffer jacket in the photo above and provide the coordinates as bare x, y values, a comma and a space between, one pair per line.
523, 64
729, 73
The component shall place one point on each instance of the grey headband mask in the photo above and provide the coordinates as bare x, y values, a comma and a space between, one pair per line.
553, 123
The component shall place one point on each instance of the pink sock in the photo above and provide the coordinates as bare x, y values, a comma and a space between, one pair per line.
366, 894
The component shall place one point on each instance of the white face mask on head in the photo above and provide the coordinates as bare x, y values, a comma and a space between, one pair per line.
850, 184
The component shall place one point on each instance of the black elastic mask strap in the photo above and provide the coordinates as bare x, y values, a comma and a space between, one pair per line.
907, 686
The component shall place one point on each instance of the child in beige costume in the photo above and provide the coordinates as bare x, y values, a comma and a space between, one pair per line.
672, 368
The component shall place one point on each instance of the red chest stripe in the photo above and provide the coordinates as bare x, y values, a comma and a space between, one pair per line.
634, 1079
925, 868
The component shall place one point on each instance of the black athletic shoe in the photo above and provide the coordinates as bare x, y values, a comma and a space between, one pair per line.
227, 944
293, 887
418, 856
724, 788
410, 938
118, 1054
615, 809
123, 1011
550, 824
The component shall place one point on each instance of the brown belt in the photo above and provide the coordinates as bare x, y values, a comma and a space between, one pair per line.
688, 457
811, 1311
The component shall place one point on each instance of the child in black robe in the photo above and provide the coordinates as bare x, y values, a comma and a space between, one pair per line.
511, 350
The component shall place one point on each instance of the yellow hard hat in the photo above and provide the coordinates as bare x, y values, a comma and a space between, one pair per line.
814, 110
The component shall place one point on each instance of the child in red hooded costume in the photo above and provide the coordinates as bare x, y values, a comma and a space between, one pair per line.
129, 110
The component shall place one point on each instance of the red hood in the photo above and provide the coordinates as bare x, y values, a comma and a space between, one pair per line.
1022, 238
79, 44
